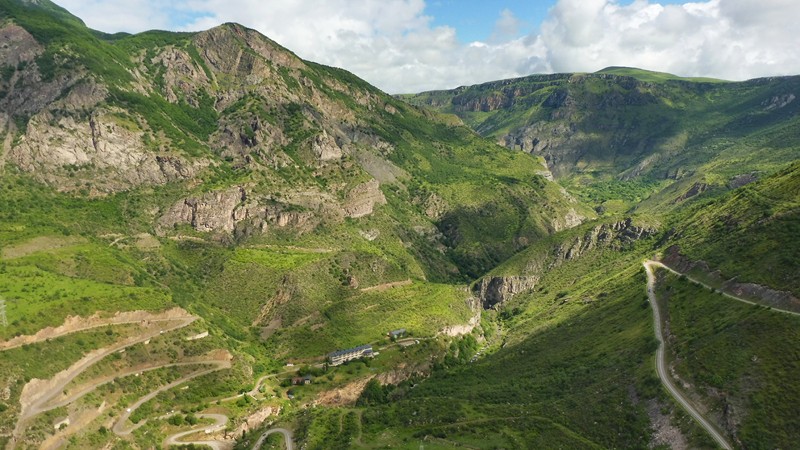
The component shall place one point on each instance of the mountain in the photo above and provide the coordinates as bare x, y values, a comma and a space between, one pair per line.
288, 209
626, 133
191, 222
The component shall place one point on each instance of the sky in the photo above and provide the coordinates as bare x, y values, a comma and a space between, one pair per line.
405, 46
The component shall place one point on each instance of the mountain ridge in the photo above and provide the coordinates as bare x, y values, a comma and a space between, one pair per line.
290, 209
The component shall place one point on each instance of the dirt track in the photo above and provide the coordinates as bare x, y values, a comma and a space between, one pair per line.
38, 393
120, 428
74, 324
661, 365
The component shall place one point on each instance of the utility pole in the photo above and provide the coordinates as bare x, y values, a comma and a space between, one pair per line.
3, 319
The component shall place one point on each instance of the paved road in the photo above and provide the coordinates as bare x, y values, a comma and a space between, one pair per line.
287, 437
661, 363
220, 420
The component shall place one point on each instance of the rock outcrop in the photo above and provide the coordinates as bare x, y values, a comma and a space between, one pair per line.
616, 235
494, 291
233, 210
105, 148
214, 211
362, 199
325, 148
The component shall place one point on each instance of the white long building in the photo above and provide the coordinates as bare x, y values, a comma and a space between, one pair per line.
342, 356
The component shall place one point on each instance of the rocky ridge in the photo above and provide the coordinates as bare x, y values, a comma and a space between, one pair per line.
494, 290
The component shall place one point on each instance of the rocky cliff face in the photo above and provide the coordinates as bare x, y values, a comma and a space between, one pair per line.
77, 131
106, 148
362, 199
617, 235
235, 210
493, 290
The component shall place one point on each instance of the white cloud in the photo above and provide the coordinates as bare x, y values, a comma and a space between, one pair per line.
506, 27
392, 44
730, 39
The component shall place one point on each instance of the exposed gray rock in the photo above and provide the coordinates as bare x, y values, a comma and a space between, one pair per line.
696, 189
778, 101
325, 148
362, 199
182, 77
214, 211
570, 220
494, 290
497, 290
742, 180
17, 45
435, 206
101, 150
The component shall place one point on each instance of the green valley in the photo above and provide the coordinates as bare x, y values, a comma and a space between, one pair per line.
191, 223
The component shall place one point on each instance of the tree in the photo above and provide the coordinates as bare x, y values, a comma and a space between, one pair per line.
373, 394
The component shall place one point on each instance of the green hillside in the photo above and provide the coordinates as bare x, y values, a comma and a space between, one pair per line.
620, 135
191, 222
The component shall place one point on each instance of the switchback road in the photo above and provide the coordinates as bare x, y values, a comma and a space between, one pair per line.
661, 361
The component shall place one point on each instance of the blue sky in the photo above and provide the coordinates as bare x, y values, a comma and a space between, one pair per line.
415, 45
475, 20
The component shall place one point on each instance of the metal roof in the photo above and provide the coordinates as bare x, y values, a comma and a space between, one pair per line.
350, 350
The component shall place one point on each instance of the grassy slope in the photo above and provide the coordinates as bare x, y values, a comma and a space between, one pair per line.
751, 233
739, 359
588, 320
565, 343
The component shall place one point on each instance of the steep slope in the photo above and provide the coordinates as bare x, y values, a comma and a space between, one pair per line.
291, 207
575, 326
751, 233
261, 139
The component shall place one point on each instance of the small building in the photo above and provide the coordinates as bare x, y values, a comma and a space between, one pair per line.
297, 381
342, 356
394, 334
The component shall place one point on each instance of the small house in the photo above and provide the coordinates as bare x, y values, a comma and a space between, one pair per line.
395, 334
299, 381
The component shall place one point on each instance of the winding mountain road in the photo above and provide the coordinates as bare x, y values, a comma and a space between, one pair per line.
661, 361
121, 429
220, 420
287, 437
34, 400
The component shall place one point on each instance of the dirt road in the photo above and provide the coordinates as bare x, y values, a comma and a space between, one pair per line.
38, 393
725, 294
120, 428
661, 365
220, 422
